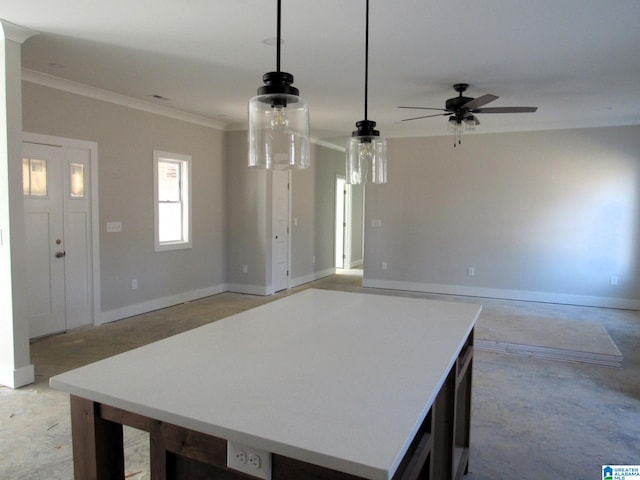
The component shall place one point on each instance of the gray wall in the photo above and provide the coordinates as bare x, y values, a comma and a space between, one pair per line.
329, 165
247, 228
547, 216
357, 225
126, 139
249, 218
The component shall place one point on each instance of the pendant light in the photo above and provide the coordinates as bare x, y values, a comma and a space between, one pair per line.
366, 150
278, 121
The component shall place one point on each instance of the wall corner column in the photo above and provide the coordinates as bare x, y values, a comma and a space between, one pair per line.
15, 367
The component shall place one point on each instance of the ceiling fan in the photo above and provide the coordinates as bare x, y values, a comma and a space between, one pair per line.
461, 110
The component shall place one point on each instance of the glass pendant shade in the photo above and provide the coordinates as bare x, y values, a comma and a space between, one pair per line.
366, 160
278, 132
366, 155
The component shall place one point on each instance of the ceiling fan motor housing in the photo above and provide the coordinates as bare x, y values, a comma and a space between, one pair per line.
454, 104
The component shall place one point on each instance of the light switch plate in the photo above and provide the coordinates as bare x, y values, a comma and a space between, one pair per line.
114, 227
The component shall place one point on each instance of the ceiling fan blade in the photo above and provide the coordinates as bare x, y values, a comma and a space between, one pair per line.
506, 110
478, 102
426, 108
425, 116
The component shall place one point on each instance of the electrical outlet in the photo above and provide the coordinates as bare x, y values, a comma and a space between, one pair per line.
241, 457
245, 268
134, 284
471, 271
614, 280
254, 460
383, 266
249, 460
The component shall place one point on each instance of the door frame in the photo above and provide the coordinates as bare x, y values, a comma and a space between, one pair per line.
95, 221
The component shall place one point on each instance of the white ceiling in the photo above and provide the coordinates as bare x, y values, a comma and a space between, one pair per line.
577, 60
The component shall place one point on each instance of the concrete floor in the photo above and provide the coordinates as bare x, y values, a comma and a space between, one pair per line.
531, 419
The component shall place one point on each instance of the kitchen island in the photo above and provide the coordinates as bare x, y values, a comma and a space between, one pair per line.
316, 385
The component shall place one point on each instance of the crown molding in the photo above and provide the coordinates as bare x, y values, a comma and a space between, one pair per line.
14, 32
326, 144
39, 78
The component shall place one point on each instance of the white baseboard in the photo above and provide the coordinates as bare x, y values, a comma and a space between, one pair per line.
267, 290
164, 302
312, 277
17, 377
523, 295
248, 289
158, 303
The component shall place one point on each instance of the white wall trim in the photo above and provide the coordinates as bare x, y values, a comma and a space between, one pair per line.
16, 378
312, 277
158, 303
249, 289
16, 33
69, 86
326, 144
523, 295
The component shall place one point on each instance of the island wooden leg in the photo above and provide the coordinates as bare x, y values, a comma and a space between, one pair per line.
98, 452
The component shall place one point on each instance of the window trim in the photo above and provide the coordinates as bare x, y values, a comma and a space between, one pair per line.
186, 188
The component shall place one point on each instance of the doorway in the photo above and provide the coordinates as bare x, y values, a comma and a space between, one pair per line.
59, 232
349, 224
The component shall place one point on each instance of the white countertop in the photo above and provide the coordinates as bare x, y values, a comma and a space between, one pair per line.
338, 379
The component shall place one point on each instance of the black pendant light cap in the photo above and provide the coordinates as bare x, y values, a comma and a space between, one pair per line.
365, 129
278, 83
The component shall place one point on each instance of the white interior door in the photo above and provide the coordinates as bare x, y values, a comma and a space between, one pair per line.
280, 231
58, 235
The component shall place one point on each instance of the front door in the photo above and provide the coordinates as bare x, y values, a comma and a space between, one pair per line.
58, 236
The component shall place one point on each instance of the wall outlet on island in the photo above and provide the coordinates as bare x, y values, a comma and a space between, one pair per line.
249, 460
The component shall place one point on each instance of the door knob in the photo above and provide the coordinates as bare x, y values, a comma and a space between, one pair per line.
60, 254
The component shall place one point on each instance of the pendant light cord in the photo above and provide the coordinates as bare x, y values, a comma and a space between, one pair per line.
278, 38
366, 61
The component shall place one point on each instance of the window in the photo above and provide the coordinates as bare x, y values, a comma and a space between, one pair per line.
172, 192
77, 180
34, 177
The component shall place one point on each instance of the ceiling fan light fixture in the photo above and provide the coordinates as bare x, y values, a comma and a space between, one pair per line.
470, 122
461, 111
366, 149
278, 121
